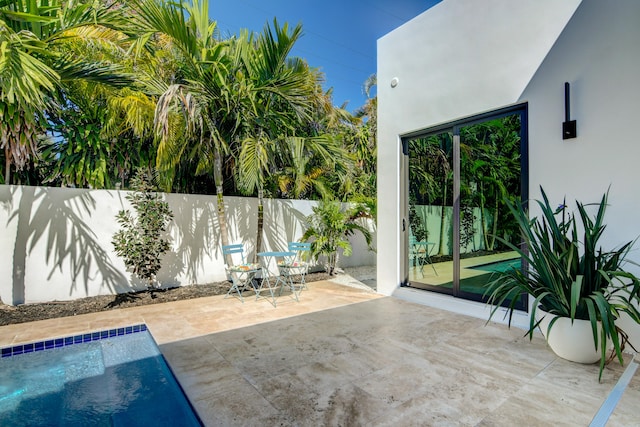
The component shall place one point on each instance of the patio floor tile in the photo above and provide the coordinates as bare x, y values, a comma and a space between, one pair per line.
344, 356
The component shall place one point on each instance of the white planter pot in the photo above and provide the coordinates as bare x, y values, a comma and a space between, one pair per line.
571, 341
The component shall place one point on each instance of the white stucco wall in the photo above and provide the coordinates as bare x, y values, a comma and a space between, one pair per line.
459, 58
56, 242
464, 57
598, 55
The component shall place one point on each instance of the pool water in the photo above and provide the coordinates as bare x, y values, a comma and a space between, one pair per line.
500, 266
114, 381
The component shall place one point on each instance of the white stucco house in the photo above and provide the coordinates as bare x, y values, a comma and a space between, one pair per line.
466, 61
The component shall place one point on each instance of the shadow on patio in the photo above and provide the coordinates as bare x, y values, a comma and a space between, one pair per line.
347, 356
385, 361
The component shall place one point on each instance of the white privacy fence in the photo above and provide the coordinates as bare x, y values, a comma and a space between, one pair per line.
56, 242
436, 224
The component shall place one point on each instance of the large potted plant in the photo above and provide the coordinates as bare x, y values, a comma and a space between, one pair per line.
572, 280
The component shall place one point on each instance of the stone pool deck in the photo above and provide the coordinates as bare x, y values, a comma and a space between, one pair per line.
344, 355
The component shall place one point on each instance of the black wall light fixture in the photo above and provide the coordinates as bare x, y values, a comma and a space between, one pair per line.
569, 129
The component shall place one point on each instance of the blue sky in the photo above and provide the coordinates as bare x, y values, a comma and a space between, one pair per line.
339, 35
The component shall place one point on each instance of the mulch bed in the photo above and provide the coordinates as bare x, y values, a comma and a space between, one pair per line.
32, 312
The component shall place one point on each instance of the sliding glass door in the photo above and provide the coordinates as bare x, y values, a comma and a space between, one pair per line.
460, 178
430, 210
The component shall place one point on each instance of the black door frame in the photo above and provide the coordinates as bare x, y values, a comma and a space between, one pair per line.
454, 127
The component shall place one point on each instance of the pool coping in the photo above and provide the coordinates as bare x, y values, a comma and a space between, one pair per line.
49, 344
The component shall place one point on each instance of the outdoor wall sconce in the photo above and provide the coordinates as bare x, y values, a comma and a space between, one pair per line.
569, 129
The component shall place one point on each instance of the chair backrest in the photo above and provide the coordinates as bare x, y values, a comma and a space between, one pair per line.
237, 248
301, 248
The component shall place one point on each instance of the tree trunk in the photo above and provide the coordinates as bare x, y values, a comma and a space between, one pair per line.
442, 217
495, 225
331, 263
222, 216
483, 223
7, 165
260, 224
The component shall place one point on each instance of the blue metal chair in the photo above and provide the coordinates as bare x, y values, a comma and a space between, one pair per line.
239, 274
419, 253
297, 265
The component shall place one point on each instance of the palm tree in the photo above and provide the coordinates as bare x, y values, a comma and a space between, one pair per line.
283, 96
430, 174
37, 60
201, 102
356, 173
365, 143
307, 165
130, 123
493, 165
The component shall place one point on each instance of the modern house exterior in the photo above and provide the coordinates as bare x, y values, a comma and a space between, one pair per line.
465, 67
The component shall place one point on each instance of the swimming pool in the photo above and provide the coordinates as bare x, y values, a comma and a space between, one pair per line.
113, 378
500, 266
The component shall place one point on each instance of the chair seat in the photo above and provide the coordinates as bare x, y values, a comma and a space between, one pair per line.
294, 264
244, 267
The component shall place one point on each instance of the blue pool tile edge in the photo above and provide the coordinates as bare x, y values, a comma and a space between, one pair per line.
70, 340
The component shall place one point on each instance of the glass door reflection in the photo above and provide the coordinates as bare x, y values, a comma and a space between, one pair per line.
430, 243
490, 174
459, 182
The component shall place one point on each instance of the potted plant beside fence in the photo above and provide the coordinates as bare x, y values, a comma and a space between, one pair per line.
576, 285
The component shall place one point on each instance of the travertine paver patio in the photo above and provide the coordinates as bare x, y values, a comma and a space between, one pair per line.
344, 356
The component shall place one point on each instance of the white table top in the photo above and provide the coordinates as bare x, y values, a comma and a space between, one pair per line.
276, 253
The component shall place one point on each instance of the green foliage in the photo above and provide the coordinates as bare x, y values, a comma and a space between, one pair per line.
38, 58
467, 226
491, 167
570, 275
140, 241
82, 154
89, 149
418, 229
221, 104
330, 225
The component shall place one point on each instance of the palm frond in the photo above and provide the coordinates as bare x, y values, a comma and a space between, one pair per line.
71, 68
25, 79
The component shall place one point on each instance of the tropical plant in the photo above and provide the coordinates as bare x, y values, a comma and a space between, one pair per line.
196, 116
140, 242
101, 136
306, 163
82, 155
37, 59
365, 144
570, 275
491, 168
431, 174
330, 225
278, 98
318, 162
